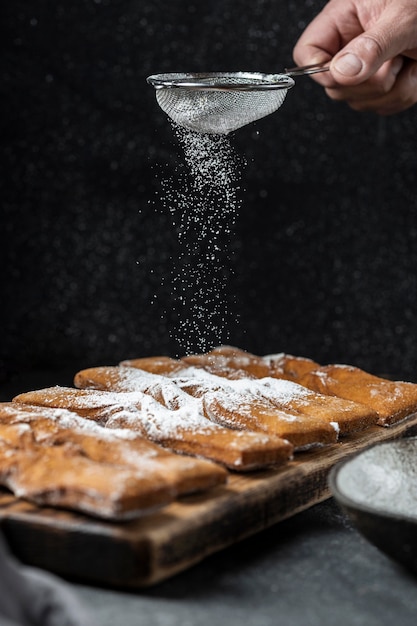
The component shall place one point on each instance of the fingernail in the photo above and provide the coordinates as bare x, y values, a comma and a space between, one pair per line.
348, 64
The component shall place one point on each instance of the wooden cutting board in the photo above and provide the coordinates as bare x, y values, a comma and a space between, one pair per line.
143, 552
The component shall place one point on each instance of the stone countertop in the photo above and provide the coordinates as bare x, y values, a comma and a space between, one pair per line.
311, 570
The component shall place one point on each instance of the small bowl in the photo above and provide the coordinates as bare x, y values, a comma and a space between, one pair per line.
377, 489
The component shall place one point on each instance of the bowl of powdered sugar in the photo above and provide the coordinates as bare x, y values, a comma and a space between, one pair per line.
377, 489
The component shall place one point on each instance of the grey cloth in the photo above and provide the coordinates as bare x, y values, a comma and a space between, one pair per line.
32, 597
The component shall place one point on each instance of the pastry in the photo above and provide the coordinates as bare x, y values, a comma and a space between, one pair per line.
54, 465
387, 402
288, 366
183, 428
229, 362
232, 362
301, 410
391, 400
233, 404
156, 364
224, 361
124, 448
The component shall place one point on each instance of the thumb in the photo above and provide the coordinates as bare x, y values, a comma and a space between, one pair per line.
363, 56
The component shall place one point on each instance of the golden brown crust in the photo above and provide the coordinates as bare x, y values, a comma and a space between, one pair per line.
229, 362
350, 416
107, 378
184, 475
289, 367
155, 364
185, 429
308, 421
391, 400
229, 407
301, 431
52, 466
237, 450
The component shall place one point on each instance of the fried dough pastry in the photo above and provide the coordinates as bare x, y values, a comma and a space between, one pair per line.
156, 364
304, 414
233, 407
46, 462
386, 402
288, 366
229, 362
305, 407
251, 403
224, 361
182, 427
121, 447
391, 400
232, 362
223, 408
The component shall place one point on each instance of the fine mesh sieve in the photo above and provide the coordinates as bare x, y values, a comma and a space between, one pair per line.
219, 103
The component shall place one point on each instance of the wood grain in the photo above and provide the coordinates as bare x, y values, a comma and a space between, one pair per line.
143, 552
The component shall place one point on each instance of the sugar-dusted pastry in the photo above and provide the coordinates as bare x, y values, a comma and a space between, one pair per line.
50, 464
301, 406
237, 408
229, 362
279, 406
288, 366
120, 447
232, 362
184, 474
225, 361
392, 400
250, 403
110, 378
230, 409
156, 364
183, 428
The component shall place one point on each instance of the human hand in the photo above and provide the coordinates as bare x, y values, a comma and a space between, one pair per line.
372, 49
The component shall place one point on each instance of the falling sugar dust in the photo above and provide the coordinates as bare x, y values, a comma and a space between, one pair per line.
203, 201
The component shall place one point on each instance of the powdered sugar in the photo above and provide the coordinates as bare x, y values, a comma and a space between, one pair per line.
63, 418
278, 357
280, 390
159, 423
203, 201
141, 411
383, 478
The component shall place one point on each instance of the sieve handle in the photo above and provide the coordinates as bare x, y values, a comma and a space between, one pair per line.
307, 69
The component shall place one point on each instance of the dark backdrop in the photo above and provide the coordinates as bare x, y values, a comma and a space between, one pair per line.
324, 246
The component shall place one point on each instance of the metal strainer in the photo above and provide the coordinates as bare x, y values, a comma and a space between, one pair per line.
221, 102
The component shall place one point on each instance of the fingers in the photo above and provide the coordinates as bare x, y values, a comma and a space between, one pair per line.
376, 86
372, 49
324, 37
362, 57
385, 93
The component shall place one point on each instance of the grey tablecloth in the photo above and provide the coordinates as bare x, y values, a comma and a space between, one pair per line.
31, 597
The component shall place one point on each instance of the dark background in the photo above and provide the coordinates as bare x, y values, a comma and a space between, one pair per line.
324, 246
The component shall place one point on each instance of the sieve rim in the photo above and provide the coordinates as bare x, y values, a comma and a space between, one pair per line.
257, 81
